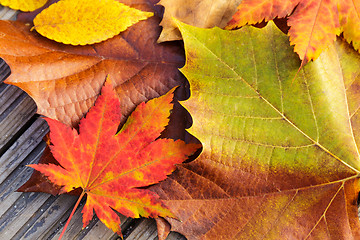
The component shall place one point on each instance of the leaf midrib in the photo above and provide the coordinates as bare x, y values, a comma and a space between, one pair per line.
272, 192
97, 144
124, 145
86, 21
157, 208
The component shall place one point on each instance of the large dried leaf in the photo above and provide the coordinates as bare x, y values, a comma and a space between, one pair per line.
64, 80
23, 5
111, 166
84, 22
314, 24
200, 13
280, 158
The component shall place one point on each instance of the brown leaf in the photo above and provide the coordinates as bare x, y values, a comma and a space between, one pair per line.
163, 228
64, 81
200, 13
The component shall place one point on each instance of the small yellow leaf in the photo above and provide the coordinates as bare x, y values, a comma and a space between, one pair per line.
84, 22
23, 5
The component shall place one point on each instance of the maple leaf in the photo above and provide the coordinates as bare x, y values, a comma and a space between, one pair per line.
65, 80
23, 5
314, 24
110, 167
280, 158
200, 13
83, 22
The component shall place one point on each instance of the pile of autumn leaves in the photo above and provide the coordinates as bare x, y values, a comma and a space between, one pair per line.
257, 124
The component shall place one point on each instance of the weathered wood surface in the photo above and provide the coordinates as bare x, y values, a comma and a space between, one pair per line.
40, 215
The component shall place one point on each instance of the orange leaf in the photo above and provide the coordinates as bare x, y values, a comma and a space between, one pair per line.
110, 167
314, 24
350, 21
23, 5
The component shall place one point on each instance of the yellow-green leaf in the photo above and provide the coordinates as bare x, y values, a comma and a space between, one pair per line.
23, 5
84, 22
280, 158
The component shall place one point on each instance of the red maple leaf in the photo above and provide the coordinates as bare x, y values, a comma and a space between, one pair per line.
314, 24
110, 166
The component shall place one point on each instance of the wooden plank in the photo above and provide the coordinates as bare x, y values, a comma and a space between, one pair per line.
144, 231
16, 109
8, 95
7, 13
94, 230
74, 229
49, 219
14, 118
176, 236
8, 187
99, 231
17, 208
19, 213
4, 70
12, 158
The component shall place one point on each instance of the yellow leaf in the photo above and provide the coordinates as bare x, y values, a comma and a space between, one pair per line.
23, 5
84, 22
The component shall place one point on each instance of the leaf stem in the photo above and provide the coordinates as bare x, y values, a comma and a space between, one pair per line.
71, 214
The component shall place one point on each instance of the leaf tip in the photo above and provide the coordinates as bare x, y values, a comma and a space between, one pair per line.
177, 22
172, 91
31, 165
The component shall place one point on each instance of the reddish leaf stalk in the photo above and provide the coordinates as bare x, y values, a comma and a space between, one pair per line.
71, 214
301, 66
